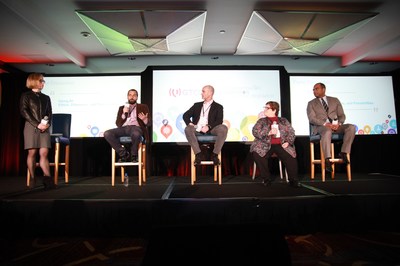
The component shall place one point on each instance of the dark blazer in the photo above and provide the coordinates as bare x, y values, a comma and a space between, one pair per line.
139, 109
215, 115
317, 115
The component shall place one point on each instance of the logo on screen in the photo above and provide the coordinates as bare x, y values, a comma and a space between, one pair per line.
175, 92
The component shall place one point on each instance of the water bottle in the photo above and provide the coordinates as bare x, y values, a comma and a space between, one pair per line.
126, 180
275, 125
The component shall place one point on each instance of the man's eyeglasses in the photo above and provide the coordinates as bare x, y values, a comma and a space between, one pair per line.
267, 107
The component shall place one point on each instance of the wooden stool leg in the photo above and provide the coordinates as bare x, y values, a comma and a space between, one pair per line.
140, 164
144, 162
192, 166
220, 168
113, 167
66, 169
348, 168
322, 163
312, 160
56, 162
333, 160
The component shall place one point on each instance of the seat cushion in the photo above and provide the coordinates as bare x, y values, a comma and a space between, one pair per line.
56, 138
335, 137
206, 138
127, 140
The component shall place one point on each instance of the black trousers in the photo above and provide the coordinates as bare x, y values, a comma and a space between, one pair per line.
112, 136
288, 161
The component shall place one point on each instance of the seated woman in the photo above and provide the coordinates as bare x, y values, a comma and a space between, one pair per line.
273, 134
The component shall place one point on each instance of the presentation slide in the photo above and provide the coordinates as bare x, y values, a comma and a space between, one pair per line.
92, 101
243, 94
368, 101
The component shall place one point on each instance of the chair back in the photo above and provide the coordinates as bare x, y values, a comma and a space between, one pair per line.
61, 124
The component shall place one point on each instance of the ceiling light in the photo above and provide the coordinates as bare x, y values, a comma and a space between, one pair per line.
222, 31
85, 34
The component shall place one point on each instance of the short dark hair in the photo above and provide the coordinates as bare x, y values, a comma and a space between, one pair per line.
274, 106
133, 90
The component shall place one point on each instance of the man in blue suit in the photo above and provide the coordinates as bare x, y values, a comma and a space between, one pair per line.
205, 117
326, 115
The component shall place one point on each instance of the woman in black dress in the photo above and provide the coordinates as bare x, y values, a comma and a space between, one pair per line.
35, 108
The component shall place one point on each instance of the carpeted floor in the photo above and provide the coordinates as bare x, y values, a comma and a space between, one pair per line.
367, 248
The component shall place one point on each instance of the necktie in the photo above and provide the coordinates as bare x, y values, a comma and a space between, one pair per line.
325, 105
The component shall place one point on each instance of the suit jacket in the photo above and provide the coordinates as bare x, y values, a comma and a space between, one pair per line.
215, 115
139, 109
317, 115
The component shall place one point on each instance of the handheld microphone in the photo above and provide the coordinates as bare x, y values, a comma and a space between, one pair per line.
126, 106
45, 120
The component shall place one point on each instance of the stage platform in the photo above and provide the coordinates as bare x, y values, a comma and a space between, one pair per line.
167, 214
92, 206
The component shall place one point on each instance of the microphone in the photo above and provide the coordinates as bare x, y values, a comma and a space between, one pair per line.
126, 106
45, 120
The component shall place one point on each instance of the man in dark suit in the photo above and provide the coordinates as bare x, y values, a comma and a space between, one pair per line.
326, 115
205, 117
132, 120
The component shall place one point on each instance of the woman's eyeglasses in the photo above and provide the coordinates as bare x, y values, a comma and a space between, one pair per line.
42, 81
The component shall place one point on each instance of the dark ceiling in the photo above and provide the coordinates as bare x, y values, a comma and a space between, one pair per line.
83, 37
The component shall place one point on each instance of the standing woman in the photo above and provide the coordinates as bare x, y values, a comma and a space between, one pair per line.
273, 134
35, 108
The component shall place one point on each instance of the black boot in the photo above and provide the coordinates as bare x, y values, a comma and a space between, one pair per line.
32, 181
48, 182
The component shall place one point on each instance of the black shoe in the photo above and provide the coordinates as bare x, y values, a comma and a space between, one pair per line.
32, 183
267, 182
215, 159
343, 156
48, 183
125, 158
328, 165
294, 183
197, 159
134, 159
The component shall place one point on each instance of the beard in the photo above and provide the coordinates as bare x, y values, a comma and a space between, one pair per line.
131, 101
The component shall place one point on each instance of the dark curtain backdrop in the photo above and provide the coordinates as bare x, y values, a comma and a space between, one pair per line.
91, 157
11, 137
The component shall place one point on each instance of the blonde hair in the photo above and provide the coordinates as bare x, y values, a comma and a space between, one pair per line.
33, 80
